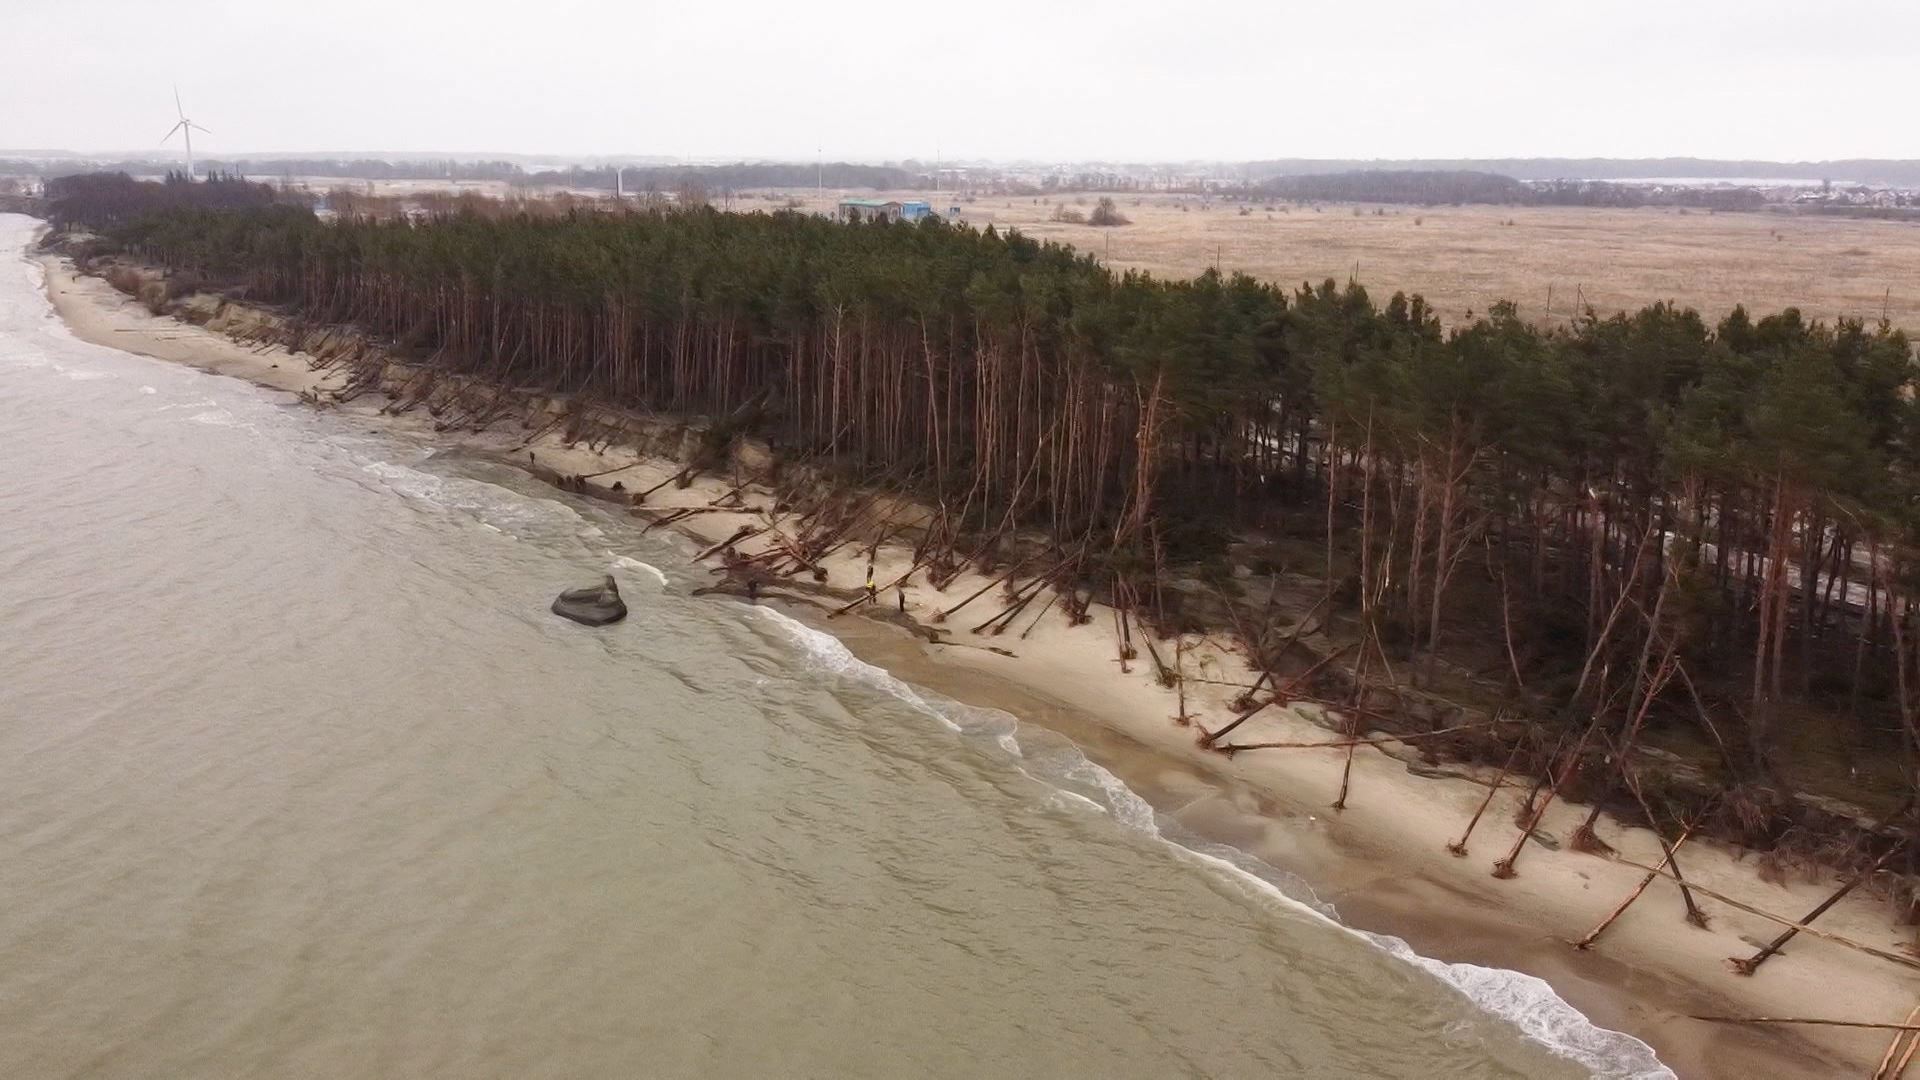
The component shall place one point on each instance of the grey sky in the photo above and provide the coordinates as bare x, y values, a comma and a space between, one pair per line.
1233, 79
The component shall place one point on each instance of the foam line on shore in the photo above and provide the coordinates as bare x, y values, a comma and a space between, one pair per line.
628, 563
1522, 1000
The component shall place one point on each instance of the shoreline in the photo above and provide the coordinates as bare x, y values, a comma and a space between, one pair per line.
1381, 862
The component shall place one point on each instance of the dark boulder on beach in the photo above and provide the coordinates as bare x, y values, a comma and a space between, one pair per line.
596, 606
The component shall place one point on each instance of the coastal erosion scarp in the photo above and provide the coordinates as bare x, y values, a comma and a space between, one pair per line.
1381, 862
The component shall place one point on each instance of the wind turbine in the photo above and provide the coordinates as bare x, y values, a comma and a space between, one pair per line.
186, 128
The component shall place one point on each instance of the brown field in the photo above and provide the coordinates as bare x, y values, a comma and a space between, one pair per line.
1464, 258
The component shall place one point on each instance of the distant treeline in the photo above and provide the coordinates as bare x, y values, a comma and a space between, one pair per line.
108, 200
1430, 188
1863, 170
372, 169
664, 178
1893, 172
357, 168
70, 167
736, 177
1679, 525
1601, 193
1419, 188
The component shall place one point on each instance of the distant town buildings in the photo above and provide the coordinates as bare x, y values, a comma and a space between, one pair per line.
1857, 195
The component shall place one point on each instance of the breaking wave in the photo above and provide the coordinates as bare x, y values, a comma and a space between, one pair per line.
1528, 1003
626, 563
497, 508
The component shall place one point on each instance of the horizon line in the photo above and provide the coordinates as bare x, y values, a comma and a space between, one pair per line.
670, 160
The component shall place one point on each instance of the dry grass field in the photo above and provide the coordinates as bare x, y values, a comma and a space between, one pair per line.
1466, 258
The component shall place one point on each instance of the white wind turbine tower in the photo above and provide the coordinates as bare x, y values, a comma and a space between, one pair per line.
186, 128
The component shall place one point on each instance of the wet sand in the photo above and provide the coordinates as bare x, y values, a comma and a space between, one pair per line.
1381, 862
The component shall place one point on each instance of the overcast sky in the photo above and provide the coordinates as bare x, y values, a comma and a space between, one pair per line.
1122, 80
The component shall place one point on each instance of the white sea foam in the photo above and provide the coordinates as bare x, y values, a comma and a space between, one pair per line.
626, 563
1126, 806
1532, 1006
824, 652
1061, 797
411, 483
827, 653
219, 418
1528, 1003
489, 504
496, 507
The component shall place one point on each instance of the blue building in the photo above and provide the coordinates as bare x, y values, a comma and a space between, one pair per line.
884, 210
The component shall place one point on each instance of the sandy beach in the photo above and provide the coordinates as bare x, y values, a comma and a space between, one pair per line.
1382, 861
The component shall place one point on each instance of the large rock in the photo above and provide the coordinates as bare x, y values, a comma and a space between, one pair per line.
597, 606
